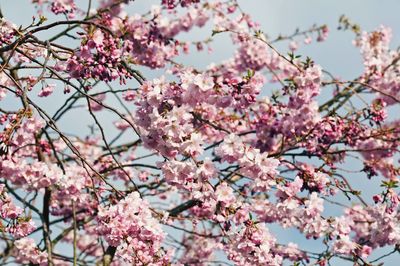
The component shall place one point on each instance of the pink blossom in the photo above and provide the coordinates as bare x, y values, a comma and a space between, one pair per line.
47, 90
27, 252
224, 194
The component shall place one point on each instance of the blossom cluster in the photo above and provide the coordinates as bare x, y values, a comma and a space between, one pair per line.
129, 225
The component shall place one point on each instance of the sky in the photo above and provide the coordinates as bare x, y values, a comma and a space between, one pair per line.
337, 55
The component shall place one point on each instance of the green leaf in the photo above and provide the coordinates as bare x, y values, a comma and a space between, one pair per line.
390, 184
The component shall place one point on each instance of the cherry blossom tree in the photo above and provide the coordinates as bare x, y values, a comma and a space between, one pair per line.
205, 161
